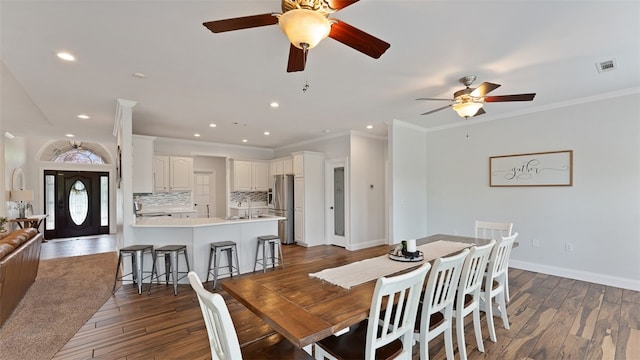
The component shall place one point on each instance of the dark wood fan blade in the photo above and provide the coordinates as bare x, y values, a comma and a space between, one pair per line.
438, 109
358, 39
484, 88
297, 59
239, 23
517, 97
435, 99
341, 4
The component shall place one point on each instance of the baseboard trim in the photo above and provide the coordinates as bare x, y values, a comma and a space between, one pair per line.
608, 280
364, 245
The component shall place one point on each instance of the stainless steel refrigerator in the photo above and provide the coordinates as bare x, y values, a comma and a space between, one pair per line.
282, 205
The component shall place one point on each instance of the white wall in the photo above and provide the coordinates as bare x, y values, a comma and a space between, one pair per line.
407, 182
367, 191
599, 214
367, 155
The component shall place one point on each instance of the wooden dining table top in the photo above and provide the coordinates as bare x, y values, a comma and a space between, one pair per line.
305, 309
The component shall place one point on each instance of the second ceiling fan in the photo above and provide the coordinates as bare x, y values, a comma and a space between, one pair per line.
306, 23
469, 101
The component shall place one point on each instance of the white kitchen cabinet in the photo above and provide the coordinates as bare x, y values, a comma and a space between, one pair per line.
142, 160
287, 165
298, 164
173, 173
282, 166
309, 204
250, 175
298, 230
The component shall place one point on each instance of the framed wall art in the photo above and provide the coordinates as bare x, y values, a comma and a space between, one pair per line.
552, 168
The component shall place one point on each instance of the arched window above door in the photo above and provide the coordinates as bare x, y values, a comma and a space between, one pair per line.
75, 152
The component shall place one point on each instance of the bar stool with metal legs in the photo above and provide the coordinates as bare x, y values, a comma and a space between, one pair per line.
170, 254
137, 253
215, 253
273, 241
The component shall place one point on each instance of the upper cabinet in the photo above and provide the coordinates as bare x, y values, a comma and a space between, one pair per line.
282, 166
309, 204
173, 173
142, 164
249, 175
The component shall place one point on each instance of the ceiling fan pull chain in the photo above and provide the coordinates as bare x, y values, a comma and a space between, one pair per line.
305, 49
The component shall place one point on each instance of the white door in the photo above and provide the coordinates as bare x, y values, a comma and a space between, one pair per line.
204, 196
337, 204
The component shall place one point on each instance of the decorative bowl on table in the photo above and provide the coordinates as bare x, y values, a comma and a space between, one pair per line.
401, 254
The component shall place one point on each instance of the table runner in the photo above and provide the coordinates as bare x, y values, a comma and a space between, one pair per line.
359, 272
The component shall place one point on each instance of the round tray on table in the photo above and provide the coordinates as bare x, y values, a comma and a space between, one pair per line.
414, 258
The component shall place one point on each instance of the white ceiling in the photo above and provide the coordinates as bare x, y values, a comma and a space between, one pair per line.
195, 77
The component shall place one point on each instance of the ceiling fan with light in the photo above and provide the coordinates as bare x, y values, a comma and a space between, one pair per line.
306, 23
469, 101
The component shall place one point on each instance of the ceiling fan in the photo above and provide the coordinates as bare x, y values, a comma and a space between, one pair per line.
469, 101
306, 23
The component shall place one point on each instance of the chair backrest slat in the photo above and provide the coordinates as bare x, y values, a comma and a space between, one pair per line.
223, 339
499, 259
492, 230
473, 271
397, 298
442, 284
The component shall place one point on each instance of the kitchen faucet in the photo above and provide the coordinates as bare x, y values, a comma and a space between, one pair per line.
249, 201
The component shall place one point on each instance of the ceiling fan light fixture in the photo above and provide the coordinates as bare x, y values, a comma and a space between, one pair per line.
303, 26
467, 109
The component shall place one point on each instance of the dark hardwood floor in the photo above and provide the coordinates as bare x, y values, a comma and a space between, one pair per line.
550, 318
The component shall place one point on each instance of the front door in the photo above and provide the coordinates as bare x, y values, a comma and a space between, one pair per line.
77, 203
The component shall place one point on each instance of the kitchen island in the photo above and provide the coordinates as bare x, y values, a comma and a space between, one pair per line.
198, 233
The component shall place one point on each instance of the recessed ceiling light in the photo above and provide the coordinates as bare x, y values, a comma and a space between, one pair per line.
244, 140
267, 133
274, 104
84, 116
69, 135
8, 135
212, 125
66, 56
139, 75
196, 135
369, 126
327, 131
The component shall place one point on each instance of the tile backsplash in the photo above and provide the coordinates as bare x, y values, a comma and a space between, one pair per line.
237, 196
165, 199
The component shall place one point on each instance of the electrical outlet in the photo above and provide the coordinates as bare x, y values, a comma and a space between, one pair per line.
535, 243
568, 247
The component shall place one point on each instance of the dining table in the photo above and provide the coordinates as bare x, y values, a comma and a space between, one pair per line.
305, 308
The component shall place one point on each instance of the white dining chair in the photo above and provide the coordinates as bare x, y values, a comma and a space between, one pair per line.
494, 230
436, 311
494, 284
223, 339
468, 295
387, 333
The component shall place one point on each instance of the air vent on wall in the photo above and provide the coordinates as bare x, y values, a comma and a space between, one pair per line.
605, 66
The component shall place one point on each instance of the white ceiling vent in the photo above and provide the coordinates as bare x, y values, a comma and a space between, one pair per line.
605, 66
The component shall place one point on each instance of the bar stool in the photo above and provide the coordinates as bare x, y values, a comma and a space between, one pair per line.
170, 254
137, 253
215, 253
273, 241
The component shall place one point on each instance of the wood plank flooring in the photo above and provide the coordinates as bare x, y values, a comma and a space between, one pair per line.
550, 318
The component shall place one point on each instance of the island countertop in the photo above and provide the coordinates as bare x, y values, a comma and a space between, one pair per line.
171, 222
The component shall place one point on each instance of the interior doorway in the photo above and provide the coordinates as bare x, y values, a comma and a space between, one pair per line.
204, 195
337, 202
77, 203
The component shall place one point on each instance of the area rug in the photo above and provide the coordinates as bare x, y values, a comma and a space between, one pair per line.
66, 293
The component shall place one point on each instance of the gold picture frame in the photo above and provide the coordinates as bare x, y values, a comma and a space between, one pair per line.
551, 168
